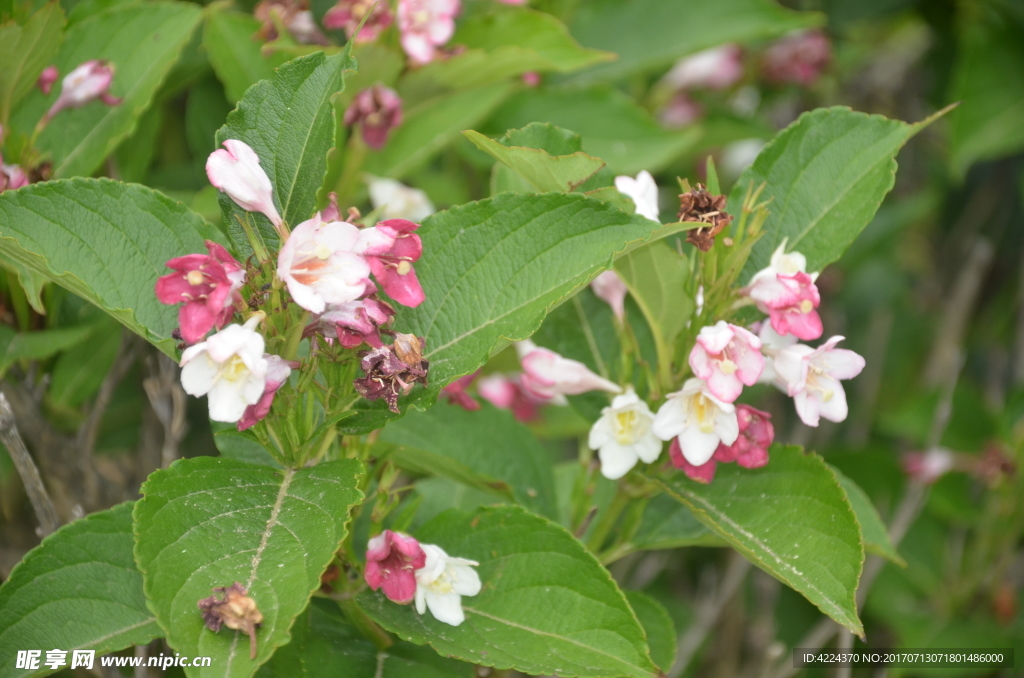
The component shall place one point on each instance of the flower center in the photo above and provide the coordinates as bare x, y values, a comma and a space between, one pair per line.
194, 277
403, 267
813, 385
727, 366
806, 306
629, 426
702, 411
322, 251
234, 369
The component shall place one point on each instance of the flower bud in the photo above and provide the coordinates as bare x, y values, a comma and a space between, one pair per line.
235, 170
609, 288
85, 84
47, 78
377, 110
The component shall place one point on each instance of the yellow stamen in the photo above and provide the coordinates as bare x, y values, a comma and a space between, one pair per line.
194, 277
806, 306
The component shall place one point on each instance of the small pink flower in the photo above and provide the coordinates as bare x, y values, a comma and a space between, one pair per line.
787, 293
47, 78
321, 265
812, 377
548, 374
506, 393
346, 14
750, 449
425, 25
530, 78
391, 563
798, 58
704, 473
87, 83
377, 110
727, 357
207, 287
278, 371
928, 467
391, 247
680, 111
455, 392
235, 170
12, 177
356, 322
609, 288
716, 68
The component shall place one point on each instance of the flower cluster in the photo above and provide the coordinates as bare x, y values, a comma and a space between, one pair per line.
408, 571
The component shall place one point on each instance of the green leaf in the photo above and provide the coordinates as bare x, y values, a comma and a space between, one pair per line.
488, 443
15, 346
792, 519
826, 175
543, 171
209, 522
651, 34
25, 51
79, 139
79, 589
546, 607
876, 535
289, 121
666, 524
236, 58
989, 80
105, 241
78, 373
658, 627
613, 126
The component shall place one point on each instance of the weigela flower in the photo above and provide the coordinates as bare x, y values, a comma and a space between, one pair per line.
787, 293
231, 606
928, 467
321, 263
699, 420
441, 583
623, 435
235, 170
87, 83
278, 371
356, 322
206, 285
229, 368
507, 393
455, 392
391, 371
812, 377
798, 58
749, 451
391, 247
610, 289
548, 374
716, 68
643, 191
425, 25
377, 110
391, 561
727, 357
680, 111
346, 15
12, 177
47, 79
700, 206
395, 200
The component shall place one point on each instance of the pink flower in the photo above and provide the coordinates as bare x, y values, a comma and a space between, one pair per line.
346, 14
547, 374
303, 28
680, 111
455, 392
391, 563
278, 371
703, 473
787, 293
377, 110
321, 265
207, 287
928, 467
610, 289
47, 78
750, 450
727, 357
12, 177
506, 393
391, 247
798, 58
235, 170
812, 375
87, 83
716, 68
425, 25
530, 78
698, 420
355, 322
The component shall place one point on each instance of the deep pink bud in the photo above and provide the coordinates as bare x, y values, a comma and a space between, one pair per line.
391, 247
49, 76
207, 287
347, 14
377, 110
799, 58
455, 392
756, 435
85, 84
278, 371
704, 473
391, 562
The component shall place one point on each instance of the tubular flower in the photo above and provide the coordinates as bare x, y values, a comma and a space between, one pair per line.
727, 357
87, 83
355, 322
506, 393
547, 374
787, 293
398, 201
229, 367
698, 420
455, 392
207, 287
235, 170
441, 583
425, 25
321, 265
812, 377
642, 191
610, 289
391, 247
346, 15
278, 371
716, 68
378, 110
391, 561
623, 436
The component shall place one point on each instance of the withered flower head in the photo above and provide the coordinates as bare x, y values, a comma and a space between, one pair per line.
700, 206
392, 370
235, 609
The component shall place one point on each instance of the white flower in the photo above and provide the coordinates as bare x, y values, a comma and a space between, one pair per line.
623, 436
700, 421
441, 583
811, 377
399, 201
229, 367
643, 191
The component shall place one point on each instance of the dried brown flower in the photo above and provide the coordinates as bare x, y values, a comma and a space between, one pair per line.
700, 206
235, 609
392, 370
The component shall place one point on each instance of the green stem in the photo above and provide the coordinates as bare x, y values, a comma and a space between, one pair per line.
291, 347
355, 156
606, 523
364, 624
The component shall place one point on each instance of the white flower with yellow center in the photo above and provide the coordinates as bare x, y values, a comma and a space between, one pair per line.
700, 421
229, 368
623, 436
441, 583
